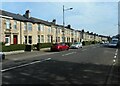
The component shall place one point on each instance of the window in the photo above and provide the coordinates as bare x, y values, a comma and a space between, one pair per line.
30, 40
38, 38
58, 39
25, 39
42, 38
49, 29
38, 27
72, 33
30, 27
63, 39
25, 26
48, 38
58, 30
15, 24
42, 27
7, 40
7, 24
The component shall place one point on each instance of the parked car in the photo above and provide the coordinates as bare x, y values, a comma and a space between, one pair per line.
106, 44
113, 43
76, 45
2, 56
59, 47
102, 42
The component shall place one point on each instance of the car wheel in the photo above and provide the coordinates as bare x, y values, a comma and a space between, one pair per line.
67, 48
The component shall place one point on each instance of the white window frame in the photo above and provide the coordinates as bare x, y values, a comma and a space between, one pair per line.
25, 25
7, 43
39, 27
49, 29
42, 38
48, 38
15, 24
29, 26
7, 24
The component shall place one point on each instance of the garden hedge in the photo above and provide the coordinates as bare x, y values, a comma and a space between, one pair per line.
13, 47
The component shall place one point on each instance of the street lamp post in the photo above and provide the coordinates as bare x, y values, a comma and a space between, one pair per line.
64, 21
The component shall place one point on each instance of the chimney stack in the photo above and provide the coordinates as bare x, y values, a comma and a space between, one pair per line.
54, 21
27, 14
69, 26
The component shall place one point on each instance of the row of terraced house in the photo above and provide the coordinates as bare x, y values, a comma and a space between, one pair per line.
23, 29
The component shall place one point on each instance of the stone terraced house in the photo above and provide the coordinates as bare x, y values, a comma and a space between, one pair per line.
24, 29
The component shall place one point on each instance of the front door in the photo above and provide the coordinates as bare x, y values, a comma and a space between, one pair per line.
15, 39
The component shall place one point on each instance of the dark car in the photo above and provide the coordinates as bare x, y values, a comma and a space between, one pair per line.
59, 47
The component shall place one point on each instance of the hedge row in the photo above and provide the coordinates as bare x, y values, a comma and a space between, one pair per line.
13, 47
89, 42
22, 46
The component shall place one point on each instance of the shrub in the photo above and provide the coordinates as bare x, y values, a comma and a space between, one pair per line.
45, 45
13, 47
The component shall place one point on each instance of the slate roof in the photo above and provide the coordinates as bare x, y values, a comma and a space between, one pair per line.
14, 16
31, 19
35, 20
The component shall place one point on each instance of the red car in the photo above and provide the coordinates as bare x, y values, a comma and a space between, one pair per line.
59, 47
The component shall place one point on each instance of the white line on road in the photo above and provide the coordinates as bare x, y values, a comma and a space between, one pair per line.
115, 57
116, 50
7, 69
68, 53
115, 54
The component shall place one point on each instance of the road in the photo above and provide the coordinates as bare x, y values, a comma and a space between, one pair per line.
88, 65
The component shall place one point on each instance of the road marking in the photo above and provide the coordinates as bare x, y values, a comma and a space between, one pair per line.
114, 60
7, 69
115, 54
68, 54
116, 50
115, 57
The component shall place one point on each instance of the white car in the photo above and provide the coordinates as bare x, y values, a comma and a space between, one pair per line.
2, 56
76, 45
113, 43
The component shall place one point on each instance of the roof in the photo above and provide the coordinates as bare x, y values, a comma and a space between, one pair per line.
14, 16
36, 20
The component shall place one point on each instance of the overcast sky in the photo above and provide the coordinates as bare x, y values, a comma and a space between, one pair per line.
97, 17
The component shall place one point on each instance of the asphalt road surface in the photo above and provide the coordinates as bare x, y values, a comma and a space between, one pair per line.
88, 65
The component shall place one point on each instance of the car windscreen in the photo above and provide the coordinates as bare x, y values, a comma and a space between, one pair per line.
114, 41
